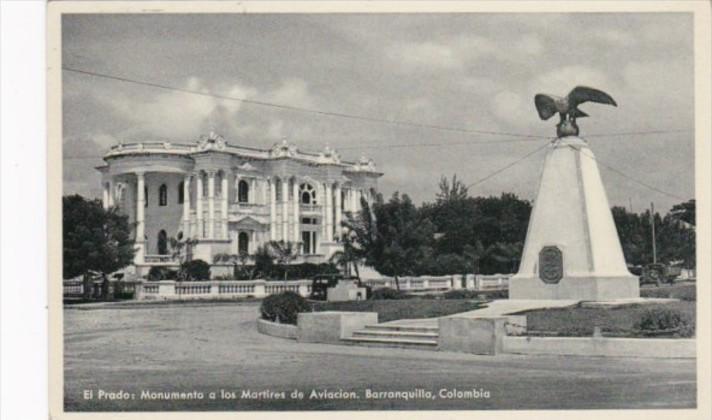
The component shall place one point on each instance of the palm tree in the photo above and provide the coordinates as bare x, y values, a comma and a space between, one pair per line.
285, 252
346, 259
180, 244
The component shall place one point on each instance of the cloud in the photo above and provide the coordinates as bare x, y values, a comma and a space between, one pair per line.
529, 44
292, 92
424, 56
561, 80
615, 37
511, 108
177, 115
661, 88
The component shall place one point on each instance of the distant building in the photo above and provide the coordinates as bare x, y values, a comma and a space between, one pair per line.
233, 199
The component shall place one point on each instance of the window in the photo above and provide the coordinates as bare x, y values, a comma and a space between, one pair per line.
243, 243
162, 195
278, 190
181, 195
243, 192
307, 194
309, 242
145, 196
306, 242
162, 243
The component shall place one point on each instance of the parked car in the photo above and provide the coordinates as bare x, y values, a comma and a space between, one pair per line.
322, 282
659, 273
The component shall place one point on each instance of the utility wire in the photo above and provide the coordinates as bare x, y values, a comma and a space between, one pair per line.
504, 168
624, 175
299, 109
637, 133
376, 145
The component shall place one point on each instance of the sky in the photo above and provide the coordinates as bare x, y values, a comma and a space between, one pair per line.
464, 71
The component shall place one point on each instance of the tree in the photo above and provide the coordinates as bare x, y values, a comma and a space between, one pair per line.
284, 252
397, 243
264, 262
238, 261
674, 235
451, 191
452, 214
94, 239
182, 247
349, 256
476, 253
685, 212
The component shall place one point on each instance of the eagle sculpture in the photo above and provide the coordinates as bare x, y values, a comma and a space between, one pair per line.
567, 107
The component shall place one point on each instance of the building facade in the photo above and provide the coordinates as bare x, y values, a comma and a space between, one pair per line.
233, 199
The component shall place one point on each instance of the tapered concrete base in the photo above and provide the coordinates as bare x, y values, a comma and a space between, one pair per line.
578, 288
572, 250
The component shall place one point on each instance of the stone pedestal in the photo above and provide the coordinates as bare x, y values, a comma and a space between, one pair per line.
572, 249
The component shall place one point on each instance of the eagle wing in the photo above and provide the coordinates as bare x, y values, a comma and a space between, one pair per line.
581, 94
545, 105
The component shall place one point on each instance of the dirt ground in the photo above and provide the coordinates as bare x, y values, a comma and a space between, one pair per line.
137, 352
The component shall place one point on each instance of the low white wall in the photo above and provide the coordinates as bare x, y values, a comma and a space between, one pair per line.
276, 330
194, 290
450, 282
601, 346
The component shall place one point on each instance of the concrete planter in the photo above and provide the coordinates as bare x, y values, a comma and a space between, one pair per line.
276, 330
331, 326
481, 335
602, 346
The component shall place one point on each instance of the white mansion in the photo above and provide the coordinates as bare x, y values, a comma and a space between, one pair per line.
232, 199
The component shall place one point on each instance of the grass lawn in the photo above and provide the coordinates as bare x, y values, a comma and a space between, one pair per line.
578, 321
682, 291
616, 321
390, 310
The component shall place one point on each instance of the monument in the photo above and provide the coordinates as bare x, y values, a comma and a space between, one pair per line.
572, 249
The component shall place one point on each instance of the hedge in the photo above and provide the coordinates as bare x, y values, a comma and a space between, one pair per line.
284, 307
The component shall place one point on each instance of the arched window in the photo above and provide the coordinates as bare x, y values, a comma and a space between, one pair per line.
243, 192
307, 194
243, 243
145, 196
162, 243
181, 196
162, 195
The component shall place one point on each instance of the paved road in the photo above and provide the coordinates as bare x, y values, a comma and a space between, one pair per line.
212, 347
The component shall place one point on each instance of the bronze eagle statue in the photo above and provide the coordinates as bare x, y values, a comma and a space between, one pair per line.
567, 107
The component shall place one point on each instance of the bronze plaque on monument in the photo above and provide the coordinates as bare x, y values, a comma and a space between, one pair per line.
551, 265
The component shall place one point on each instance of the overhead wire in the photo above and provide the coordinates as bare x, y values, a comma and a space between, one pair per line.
518, 137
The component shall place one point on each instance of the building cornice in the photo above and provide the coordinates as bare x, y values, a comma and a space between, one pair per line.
216, 144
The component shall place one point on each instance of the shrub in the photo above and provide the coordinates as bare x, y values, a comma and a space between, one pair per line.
461, 294
161, 273
283, 307
194, 270
386, 293
665, 321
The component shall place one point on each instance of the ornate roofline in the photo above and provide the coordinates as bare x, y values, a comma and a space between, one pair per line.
216, 143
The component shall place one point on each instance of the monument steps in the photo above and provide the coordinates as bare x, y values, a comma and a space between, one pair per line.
395, 336
404, 328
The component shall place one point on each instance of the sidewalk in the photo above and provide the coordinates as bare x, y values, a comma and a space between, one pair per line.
497, 307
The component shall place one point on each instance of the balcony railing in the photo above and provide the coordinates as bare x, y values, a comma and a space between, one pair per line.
310, 208
153, 259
